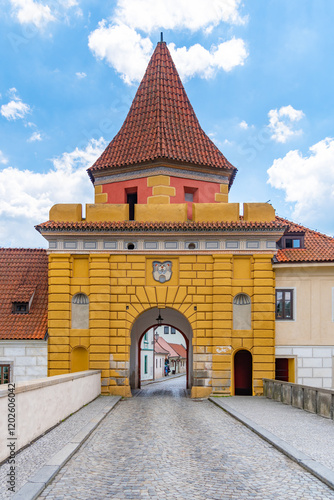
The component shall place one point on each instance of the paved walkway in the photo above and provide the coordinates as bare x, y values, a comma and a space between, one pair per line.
308, 433
161, 445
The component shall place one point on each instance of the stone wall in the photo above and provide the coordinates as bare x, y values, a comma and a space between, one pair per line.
121, 288
41, 404
28, 359
312, 399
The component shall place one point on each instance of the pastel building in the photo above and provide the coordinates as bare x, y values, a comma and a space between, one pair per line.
163, 238
23, 314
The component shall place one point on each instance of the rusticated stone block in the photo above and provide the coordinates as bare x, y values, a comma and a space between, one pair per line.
324, 403
297, 396
286, 394
277, 391
310, 399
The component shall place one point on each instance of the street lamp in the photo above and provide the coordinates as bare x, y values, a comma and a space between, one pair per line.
159, 320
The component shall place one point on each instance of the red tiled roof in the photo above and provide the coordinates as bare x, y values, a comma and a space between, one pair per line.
136, 226
23, 271
318, 246
158, 349
165, 345
161, 124
181, 351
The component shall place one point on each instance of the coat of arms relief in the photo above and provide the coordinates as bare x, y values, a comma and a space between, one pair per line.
162, 271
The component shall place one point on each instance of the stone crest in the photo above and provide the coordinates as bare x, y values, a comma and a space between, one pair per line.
162, 271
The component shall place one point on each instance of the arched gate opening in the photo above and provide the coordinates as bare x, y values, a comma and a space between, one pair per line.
147, 320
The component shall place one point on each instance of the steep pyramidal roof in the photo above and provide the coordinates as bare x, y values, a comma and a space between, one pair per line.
161, 124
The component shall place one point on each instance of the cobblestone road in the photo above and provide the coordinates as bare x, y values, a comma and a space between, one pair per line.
161, 445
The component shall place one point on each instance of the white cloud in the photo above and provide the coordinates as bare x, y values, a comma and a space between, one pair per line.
26, 196
123, 48
308, 182
36, 136
30, 12
148, 15
281, 123
202, 62
15, 109
80, 75
243, 125
41, 14
3, 159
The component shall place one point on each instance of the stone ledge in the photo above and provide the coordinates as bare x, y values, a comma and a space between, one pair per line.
32, 385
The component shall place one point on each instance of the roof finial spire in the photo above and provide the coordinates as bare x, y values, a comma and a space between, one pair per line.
161, 36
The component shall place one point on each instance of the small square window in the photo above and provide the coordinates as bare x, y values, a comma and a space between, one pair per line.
189, 197
20, 307
166, 330
172, 330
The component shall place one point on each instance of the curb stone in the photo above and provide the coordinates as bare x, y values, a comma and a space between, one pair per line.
320, 471
37, 483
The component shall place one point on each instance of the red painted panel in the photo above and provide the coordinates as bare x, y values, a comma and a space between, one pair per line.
117, 190
203, 192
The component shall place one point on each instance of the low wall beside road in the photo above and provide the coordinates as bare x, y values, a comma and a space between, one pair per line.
29, 409
312, 399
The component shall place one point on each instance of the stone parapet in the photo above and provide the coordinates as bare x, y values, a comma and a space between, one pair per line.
311, 399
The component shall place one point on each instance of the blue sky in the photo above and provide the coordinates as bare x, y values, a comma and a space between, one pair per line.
258, 74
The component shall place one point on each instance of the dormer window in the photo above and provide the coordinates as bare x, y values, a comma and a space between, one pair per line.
20, 307
291, 240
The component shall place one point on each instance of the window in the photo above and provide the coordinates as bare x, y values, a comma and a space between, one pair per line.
145, 365
291, 240
4, 374
156, 363
166, 330
20, 307
131, 199
160, 362
284, 304
188, 196
172, 330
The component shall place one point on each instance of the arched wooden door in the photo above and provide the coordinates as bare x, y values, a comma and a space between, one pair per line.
243, 373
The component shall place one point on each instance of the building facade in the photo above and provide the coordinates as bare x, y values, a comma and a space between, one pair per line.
23, 314
162, 238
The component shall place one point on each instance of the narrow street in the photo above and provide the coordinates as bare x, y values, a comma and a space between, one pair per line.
161, 444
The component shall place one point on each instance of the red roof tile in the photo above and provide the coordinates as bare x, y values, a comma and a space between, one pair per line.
137, 226
161, 124
318, 246
23, 271
181, 351
167, 347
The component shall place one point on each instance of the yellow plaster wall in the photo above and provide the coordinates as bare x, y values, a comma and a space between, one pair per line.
66, 212
176, 212
202, 288
100, 212
100, 197
216, 212
258, 212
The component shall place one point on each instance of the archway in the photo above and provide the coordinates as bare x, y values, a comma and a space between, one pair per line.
146, 321
243, 373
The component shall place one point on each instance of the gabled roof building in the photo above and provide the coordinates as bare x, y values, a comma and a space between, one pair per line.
23, 314
162, 240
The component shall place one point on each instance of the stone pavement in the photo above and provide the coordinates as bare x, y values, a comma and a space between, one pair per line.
30, 460
308, 436
162, 445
